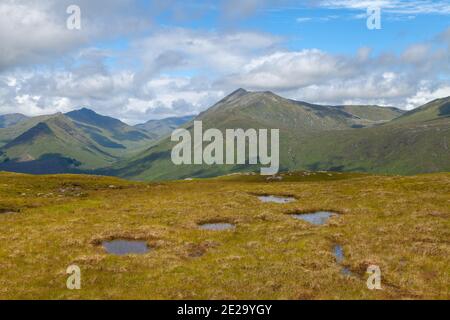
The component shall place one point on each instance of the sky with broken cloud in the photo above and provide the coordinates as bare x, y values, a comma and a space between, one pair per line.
141, 59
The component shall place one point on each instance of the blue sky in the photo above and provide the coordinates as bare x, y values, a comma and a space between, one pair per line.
336, 30
137, 60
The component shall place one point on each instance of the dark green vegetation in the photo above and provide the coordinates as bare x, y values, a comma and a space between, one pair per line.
313, 137
399, 223
78, 140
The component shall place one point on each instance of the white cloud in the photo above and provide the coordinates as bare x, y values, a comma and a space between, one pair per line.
179, 71
183, 48
303, 19
408, 7
222, 62
36, 32
318, 19
31, 34
287, 70
416, 53
386, 88
427, 94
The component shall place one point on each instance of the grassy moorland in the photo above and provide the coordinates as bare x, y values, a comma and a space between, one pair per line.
399, 223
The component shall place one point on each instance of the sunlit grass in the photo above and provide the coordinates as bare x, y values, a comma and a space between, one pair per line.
399, 223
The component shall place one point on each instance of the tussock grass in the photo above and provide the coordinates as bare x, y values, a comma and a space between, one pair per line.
399, 223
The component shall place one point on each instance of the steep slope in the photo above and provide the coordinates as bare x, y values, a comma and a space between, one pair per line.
394, 149
57, 140
80, 140
267, 110
415, 142
109, 132
372, 115
298, 123
165, 126
12, 132
438, 109
12, 119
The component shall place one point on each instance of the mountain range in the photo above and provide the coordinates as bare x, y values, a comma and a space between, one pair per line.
9, 120
312, 137
77, 140
163, 127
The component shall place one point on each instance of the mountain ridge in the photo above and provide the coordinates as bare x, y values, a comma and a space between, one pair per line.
271, 110
11, 119
312, 137
81, 137
164, 126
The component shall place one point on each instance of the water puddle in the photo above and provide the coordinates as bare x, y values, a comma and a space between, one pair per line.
339, 256
276, 199
317, 218
124, 247
217, 226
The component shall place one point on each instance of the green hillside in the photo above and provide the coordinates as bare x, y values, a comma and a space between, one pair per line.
267, 110
10, 133
79, 140
436, 109
392, 149
118, 137
312, 137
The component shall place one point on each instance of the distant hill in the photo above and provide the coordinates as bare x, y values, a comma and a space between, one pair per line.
78, 140
268, 110
12, 132
96, 125
8, 120
165, 126
312, 137
434, 110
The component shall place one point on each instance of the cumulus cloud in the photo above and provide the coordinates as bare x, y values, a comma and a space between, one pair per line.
426, 93
288, 70
173, 71
36, 31
385, 88
220, 52
29, 34
160, 87
117, 93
